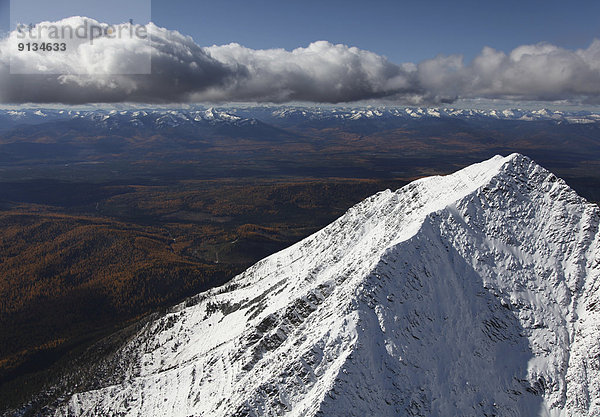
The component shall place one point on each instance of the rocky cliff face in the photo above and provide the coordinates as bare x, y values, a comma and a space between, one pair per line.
471, 294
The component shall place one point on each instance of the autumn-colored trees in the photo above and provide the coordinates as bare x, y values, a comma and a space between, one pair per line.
71, 275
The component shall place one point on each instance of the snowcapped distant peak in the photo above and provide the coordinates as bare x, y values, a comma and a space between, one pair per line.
210, 113
215, 115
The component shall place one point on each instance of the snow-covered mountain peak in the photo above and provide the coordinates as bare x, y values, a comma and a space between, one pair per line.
215, 115
475, 293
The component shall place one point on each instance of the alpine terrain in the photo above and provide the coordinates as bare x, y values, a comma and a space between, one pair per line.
472, 294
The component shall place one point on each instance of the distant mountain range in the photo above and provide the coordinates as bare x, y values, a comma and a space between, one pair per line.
420, 113
250, 115
112, 120
157, 145
472, 294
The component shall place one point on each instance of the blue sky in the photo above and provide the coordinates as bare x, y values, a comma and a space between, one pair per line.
401, 30
404, 31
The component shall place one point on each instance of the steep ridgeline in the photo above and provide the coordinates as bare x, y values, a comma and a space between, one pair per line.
471, 294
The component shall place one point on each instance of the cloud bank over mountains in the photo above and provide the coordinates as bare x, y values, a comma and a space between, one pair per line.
183, 71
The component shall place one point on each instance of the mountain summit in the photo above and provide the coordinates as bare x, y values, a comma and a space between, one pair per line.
471, 294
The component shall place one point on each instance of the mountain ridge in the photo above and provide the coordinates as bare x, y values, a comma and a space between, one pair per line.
474, 293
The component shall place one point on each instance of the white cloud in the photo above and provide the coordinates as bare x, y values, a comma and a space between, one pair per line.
536, 72
183, 71
322, 72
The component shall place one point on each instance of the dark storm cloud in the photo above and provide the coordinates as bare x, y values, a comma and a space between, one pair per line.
182, 71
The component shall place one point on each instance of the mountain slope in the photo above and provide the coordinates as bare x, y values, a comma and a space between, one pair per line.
470, 294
